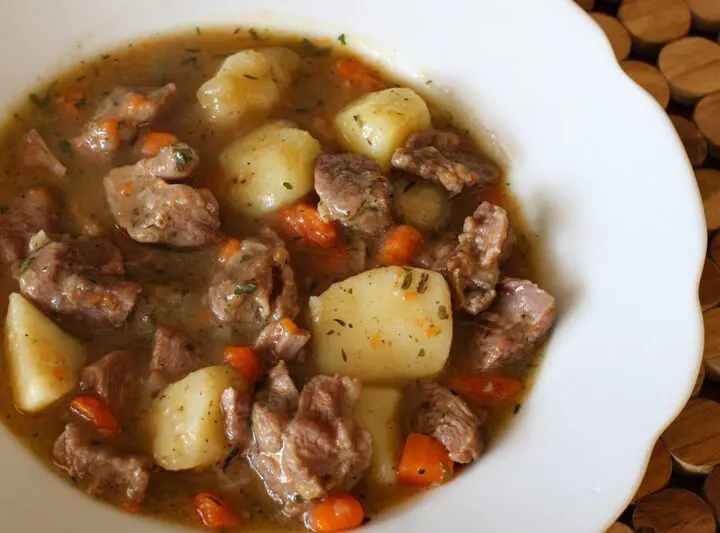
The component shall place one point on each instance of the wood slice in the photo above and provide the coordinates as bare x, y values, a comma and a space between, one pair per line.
706, 14
653, 23
711, 353
650, 79
707, 118
708, 181
587, 5
693, 438
619, 527
699, 382
658, 472
692, 67
711, 491
695, 144
616, 33
673, 511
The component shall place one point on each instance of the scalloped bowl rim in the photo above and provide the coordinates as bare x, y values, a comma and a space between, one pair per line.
604, 182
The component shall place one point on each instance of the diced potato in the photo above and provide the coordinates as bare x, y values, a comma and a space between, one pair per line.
43, 360
378, 123
420, 203
249, 81
270, 168
379, 410
385, 324
186, 423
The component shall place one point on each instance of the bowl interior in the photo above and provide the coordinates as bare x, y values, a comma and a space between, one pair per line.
606, 188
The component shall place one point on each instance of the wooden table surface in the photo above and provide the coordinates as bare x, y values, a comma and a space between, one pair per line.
671, 49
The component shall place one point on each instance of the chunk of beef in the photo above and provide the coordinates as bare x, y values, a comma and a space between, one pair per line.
354, 192
236, 407
324, 447
115, 377
445, 157
518, 320
82, 281
105, 474
172, 162
274, 408
153, 211
120, 115
282, 340
255, 284
35, 154
34, 211
174, 354
472, 262
447, 418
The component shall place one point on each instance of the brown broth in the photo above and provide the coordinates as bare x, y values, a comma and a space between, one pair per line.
176, 278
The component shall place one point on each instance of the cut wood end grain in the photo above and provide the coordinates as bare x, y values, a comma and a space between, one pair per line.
708, 181
711, 353
692, 67
707, 118
616, 33
695, 144
711, 490
706, 14
693, 438
673, 510
658, 472
652, 23
650, 79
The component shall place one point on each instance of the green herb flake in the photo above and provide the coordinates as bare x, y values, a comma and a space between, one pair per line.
428, 83
254, 34
357, 119
344, 355
249, 77
245, 288
229, 459
296, 498
517, 408
245, 257
407, 281
26, 264
65, 146
442, 313
191, 61
183, 157
423, 283
41, 103
341, 322
421, 353
287, 185
105, 56
342, 39
136, 211
81, 77
197, 30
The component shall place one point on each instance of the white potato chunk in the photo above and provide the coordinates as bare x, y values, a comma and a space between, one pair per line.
250, 81
43, 360
186, 423
386, 324
420, 203
379, 410
378, 123
270, 168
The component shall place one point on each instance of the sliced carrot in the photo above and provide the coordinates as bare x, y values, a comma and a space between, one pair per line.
227, 249
136, 101
400, 246
289, 326
302, 220
336, 513
96, 411
214, 512
486, 390
331, 262
359, 75
154, 141
108, 133
245, 360
424, 462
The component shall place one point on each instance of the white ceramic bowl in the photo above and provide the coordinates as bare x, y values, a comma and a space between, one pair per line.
605, 184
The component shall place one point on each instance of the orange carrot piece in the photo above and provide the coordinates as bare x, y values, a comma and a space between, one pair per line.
424, 462
214, 512
108, 131
331, 262
336, 513
289, 326
245, 360
302, 220
486, 390
358, 74
154, 141
136, 101
96, 411
227, 249
400, 246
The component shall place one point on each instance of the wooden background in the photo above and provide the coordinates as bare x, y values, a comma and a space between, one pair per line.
670, 48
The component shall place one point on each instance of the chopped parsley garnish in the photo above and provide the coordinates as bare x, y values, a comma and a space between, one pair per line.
423, 283
254, 34
517, 407
357, 119
105, 56
442, 312
182, 158
287, 185
428, 83
342, 39
407, 281
229, 459
43, 102
421, 353
65, 146
296, 498
344, 355
245, 257
341, 322
191, 61
245, 288
248, 76
136, 211
26, 264
197, 30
